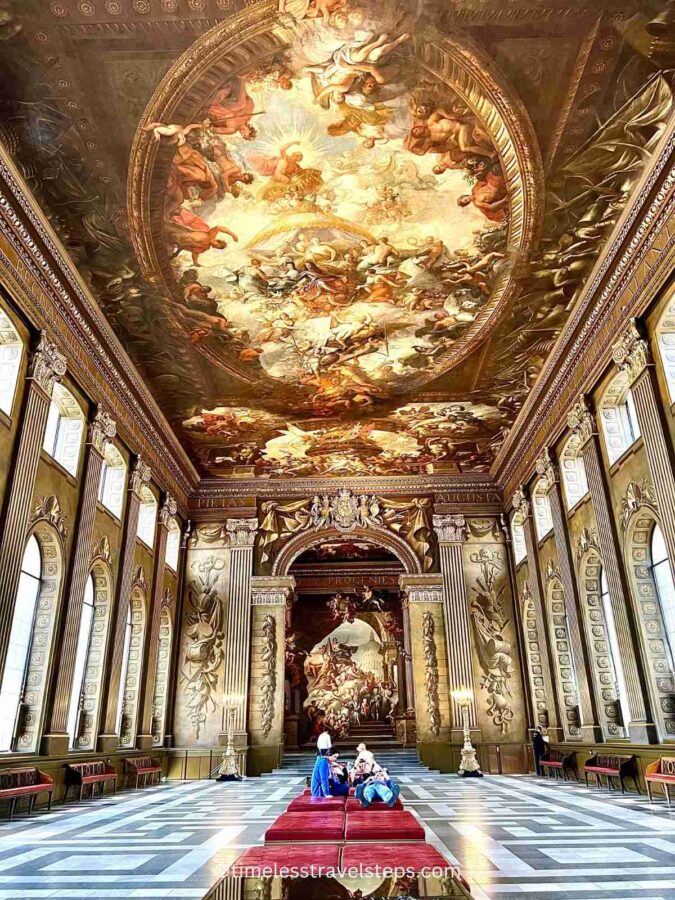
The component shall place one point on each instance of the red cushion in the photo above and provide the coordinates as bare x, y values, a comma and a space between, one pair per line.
293, 826
352, 791
657, 776
391, 856
26, 789
276, 857
90, 779
394, 825
307, 804
551, 762
353, 805
601, 770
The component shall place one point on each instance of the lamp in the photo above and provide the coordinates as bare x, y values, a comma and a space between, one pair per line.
468, 766
229, 767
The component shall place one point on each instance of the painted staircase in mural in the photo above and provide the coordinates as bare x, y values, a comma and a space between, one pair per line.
377, 736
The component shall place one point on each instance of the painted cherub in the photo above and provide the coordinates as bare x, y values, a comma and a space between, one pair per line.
177, 134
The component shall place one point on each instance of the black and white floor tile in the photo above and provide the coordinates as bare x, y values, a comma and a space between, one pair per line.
509, 835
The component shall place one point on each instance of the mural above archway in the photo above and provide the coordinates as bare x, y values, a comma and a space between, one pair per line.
337, 237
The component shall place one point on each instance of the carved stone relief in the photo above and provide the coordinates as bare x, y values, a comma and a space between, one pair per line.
431, 672
269, 673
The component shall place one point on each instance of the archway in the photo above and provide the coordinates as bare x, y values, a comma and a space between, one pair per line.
344, 639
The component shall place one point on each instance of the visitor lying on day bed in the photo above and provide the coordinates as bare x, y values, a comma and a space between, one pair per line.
378, 786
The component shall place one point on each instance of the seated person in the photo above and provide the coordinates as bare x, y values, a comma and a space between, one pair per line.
339, 783
364, 765
378, 787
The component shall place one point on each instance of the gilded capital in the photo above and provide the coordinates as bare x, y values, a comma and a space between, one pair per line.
241, 532
102, 430
167, 511
581, 421
140, 475
631, 352
450, 529
520, 502
547, 468
47, 364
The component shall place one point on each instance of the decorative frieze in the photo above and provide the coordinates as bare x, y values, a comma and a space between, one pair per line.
102, 430
631, 352
272, 590
422, 588
47, 364
450, 529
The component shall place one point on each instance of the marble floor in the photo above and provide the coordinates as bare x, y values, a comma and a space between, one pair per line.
509, 835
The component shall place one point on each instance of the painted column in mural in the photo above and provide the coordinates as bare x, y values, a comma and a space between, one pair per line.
269, 597
450, 531
47, 366
430, 667
582, 422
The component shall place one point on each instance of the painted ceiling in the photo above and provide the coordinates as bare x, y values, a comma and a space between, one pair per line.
337, 237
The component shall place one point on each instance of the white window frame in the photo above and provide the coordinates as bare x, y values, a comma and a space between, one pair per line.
541, 507
615, 648
172, 553
518, 541
665, 587
113, 481
11, 357
64, 430
618, 418
573, 472
81, 659
147, 518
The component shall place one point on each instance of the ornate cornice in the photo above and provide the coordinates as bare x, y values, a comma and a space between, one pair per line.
636, 260
581, 421
450, 529
140, 476
51, 292
242, 532
631, 352
547, 469
47, 364
271, 590
167, 511
102, 430
422, 588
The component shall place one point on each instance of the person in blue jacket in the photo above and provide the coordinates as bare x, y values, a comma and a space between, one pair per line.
320, 785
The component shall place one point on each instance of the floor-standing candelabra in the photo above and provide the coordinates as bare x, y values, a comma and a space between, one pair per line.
229, 767
468, 766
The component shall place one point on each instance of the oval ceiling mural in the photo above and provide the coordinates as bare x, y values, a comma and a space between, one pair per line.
338, 212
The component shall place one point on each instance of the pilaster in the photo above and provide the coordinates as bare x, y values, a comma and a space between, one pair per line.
140, 476
47, 366
631, 353
548, 470
523, 509
451, 532
149, 668
582, 421
101, 431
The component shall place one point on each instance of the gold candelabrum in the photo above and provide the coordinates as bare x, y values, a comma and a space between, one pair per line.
229, 767
468, 766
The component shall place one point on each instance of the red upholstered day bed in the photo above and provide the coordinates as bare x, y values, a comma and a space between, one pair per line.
661, 771
24, 782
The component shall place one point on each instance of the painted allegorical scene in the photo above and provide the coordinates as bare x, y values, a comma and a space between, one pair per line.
342, 654
338, 237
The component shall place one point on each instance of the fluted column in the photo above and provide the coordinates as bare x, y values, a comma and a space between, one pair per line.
140, 476
523, 509
47, 366
631, 353
450, 531
407, 653
582, 421
547, 468
102, 430
237, 644
149, 668
174, 665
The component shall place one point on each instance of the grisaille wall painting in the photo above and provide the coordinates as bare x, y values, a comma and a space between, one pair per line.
337, 236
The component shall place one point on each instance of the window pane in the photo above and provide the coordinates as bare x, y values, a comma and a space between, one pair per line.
10, 363
124, 673
68, 442
83, 641
518, 537
543, 520
32, 558
146, 523
631, 414
51, 429
172, 549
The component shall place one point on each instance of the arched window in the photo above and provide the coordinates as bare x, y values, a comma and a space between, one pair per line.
113, 480
81, 656
65, 426
129, 695
618, 417
162, 673
620, 685
663, 578
125, 670
11, 353
543, 520
665, 333
147, 517
518, 540
575, 484
172, 546
20, 640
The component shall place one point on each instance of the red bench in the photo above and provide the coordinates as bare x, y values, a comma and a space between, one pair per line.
25, 782
79, 775
142, 767
555, 762
612, 766
661, 771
